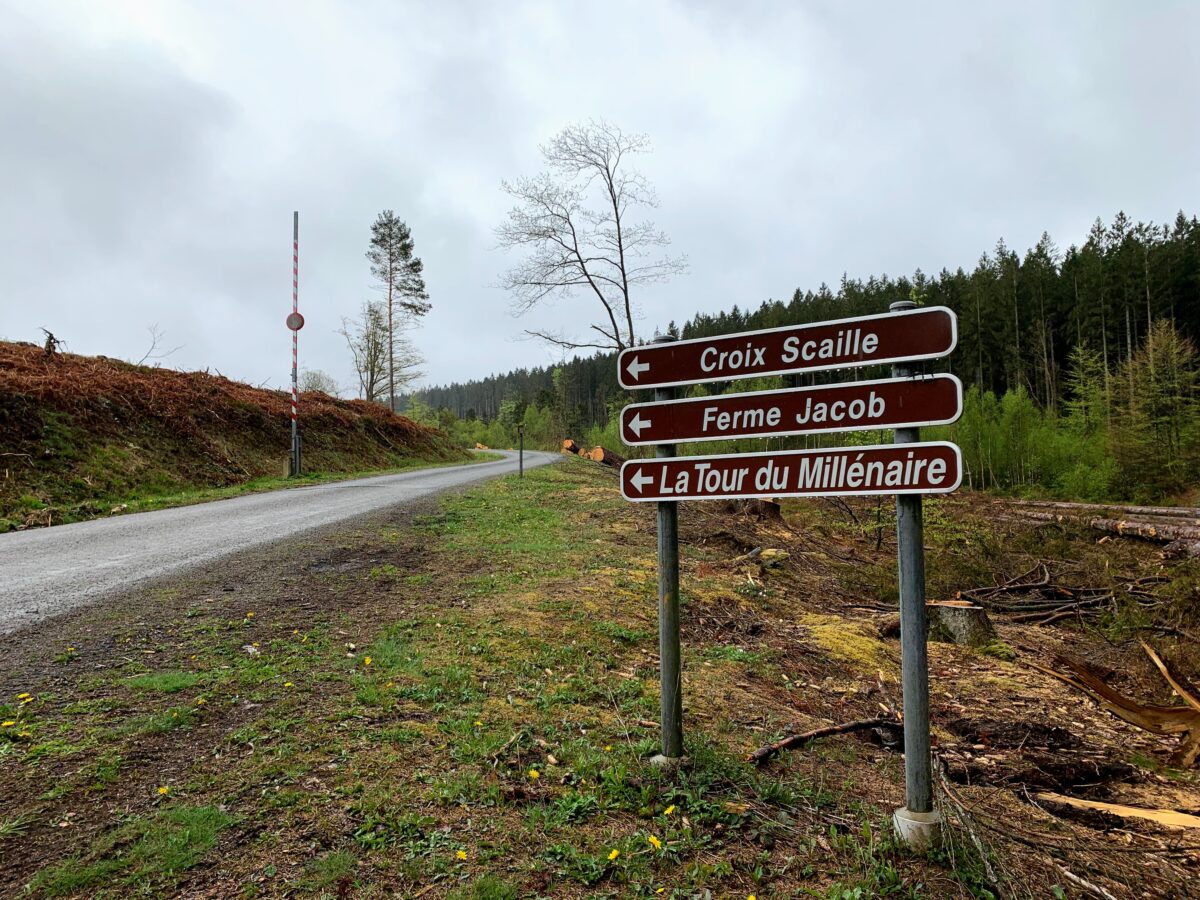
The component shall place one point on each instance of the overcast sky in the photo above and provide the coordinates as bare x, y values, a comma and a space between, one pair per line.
151, 153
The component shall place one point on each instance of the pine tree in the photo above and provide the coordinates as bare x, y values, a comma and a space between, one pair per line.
399, 274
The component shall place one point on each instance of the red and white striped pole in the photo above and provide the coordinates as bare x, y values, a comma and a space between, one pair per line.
295, 343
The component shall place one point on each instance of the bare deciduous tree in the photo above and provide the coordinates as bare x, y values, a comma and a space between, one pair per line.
367, 338
577, 220
316, 380
157, 336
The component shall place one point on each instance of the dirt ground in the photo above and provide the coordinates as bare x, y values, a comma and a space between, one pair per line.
458, 699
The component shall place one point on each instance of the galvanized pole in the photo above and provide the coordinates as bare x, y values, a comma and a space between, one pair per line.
917, 824
520, 451
670, 672
295, 344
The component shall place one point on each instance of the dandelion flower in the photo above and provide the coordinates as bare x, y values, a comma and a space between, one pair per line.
22, 696
163, 791
614, 855
288, 684
535, 774
654, 842
200, 701
752, 897
461, 854
670, 809
249, 615
9, 724
366, 660
26, 700
608, 748
478, 724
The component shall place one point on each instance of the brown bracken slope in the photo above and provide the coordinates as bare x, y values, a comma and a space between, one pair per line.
80, 433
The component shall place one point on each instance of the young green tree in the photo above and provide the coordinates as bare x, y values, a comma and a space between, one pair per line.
399, 275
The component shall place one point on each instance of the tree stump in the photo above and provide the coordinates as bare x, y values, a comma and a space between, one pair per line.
960, 622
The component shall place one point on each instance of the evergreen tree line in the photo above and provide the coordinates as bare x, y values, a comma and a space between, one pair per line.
1080, 365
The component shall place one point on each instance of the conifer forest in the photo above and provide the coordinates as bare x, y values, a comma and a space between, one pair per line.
1080, 365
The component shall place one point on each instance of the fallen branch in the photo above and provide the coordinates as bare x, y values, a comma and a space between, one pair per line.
1180, 720
763, 754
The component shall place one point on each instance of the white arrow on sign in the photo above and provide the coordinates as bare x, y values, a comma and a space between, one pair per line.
635, 368
639, 480
637, 423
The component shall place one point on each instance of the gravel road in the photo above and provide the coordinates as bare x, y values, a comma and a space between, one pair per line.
51, 570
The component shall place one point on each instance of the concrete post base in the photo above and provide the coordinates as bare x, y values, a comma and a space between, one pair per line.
667, 762
920, 831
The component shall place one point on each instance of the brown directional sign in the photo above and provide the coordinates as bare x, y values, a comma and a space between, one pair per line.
868, 340
854, 406
919, 468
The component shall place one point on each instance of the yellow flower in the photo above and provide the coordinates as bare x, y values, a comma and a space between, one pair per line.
22, 696
654, 842
478, 724
9, 724
288, 684
296, 631
535, 774
670, 809
461, 854
200, 701
614, 855
249, 615
751, 897
70, 649
26, 700
366, 660
608, 748
163, 791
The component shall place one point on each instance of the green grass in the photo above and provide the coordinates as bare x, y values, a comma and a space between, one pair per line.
164, 682
140, 854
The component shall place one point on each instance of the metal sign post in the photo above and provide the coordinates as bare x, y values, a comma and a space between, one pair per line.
295, 322
669, 667
907, 468
918, 824
521, 450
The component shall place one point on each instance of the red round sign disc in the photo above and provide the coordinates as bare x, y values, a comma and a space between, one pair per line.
295, 321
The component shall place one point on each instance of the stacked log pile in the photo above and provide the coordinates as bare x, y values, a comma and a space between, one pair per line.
1178, 527
596, 454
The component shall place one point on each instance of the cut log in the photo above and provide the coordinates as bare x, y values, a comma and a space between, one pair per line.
606, 457
963, 623
1175, 512
1147, 528
569, 446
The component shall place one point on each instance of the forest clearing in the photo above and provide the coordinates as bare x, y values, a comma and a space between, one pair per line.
460, 703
